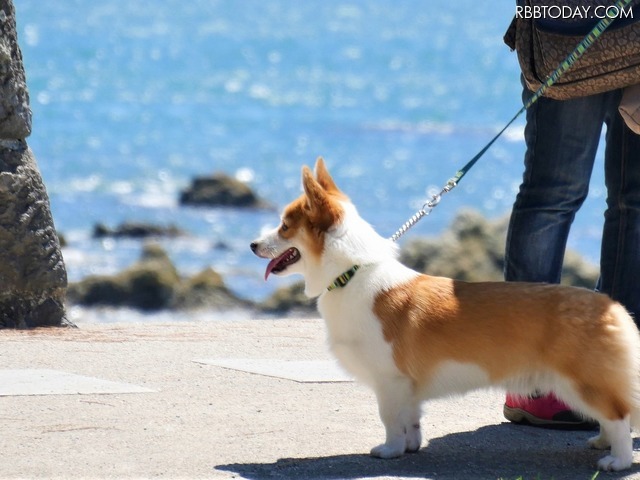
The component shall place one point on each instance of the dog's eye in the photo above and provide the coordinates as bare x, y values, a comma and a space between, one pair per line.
284, 227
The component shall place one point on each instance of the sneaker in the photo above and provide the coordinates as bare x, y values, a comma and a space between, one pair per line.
545, 411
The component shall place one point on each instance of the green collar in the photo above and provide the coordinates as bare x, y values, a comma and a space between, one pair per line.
343, 279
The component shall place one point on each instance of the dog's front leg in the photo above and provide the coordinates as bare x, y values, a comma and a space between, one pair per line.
400, 414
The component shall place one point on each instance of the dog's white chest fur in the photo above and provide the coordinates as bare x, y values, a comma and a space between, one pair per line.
355, 333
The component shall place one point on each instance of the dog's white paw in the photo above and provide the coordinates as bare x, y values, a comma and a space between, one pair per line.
599, 442
613, 464
387, 451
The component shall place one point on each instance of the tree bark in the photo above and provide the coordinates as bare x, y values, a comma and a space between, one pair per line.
33, 278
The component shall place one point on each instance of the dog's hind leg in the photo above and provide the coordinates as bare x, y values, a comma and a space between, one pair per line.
607, 404
400, 414
617, 432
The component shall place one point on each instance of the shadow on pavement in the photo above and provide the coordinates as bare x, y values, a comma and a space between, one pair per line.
496, 451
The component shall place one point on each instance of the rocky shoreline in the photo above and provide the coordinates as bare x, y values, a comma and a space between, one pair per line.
471, 249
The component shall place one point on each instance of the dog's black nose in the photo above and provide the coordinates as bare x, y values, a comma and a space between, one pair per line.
254, 247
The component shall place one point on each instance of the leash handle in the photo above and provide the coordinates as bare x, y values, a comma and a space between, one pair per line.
566, 64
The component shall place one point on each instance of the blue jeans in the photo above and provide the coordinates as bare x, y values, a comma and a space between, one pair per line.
561, 139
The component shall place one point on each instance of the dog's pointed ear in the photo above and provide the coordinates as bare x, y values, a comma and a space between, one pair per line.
323, 176
316, 195
322, 208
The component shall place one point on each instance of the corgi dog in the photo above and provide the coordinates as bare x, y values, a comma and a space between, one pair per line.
413, 337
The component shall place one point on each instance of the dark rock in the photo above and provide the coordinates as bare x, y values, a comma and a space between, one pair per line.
99, 290
136, 230
154, 252
33, 278
207, 290
32, 271
220, 190
62, 239
472, 249
153, 284
223, 246
15, 113
147, 285
288, 300
578, 272
24, 312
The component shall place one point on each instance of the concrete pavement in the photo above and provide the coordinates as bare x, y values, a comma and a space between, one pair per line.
257, 399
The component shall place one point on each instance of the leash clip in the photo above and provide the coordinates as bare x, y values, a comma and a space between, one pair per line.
425, 209
435, 200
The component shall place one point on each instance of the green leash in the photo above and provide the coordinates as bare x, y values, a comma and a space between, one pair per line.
566, 64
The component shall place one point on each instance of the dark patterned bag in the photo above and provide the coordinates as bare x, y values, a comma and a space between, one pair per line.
612, 62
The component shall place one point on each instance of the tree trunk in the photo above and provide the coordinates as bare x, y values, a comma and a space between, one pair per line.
33, 279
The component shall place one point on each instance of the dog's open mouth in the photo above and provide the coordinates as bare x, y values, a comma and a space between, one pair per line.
280, 264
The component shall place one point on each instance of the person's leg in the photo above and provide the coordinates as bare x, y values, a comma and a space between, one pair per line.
562, 139
620, 255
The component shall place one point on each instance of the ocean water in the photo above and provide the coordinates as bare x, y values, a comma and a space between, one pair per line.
132, 99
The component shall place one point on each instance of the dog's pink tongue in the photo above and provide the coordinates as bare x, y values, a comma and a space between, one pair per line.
272, 265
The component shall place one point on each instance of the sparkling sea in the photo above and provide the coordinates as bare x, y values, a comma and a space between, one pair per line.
131, 99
